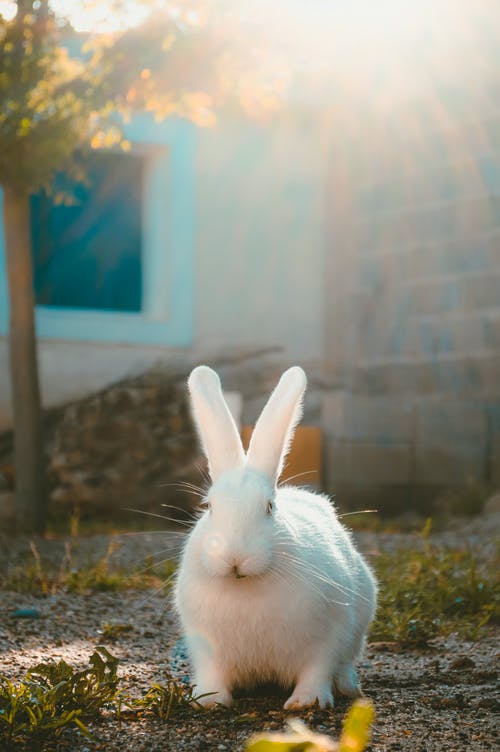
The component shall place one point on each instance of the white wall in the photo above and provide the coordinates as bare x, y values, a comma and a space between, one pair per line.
259, 254
260, 237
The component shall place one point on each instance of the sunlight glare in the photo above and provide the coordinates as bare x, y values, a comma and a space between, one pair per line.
7, 9
92, 16
100, 17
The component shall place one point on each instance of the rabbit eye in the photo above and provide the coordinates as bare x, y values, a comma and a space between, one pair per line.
269, 507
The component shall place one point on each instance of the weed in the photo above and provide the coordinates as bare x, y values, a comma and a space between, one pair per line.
165, 699
53, 697
432, 591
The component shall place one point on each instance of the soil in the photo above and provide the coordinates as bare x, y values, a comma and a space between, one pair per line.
443, 698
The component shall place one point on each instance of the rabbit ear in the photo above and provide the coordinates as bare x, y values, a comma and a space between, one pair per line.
216, 427
273, 432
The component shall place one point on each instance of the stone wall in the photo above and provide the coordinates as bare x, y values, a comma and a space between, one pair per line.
416, 275
132, 445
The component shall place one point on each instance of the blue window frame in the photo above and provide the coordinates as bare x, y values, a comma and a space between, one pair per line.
159, 310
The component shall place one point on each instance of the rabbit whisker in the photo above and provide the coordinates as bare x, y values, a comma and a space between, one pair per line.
155, 564
183, 489
160, 516
309, 568
203, 472
297, 475
191, 515
148, 532
294, 573
158, 590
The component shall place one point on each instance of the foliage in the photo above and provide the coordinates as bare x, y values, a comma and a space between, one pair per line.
58, 95
61, 93
355, 735
429, 591
53, 697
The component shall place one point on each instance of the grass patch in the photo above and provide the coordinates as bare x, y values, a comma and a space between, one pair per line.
53, 697
39, 577
430, 592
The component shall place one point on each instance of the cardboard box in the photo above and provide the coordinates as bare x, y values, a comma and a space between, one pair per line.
303, 463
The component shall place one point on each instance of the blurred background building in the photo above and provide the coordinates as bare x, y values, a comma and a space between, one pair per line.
356, 232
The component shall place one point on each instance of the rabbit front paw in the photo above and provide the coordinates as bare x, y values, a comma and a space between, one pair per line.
304, 697
347, 682
209, 698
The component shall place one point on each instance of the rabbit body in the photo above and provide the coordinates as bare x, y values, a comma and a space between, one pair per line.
270, 587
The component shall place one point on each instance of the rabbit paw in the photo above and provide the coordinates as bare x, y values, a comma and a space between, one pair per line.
211, 698
347, 683
303, 697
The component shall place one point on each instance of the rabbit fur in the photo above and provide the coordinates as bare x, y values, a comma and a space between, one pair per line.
270, 587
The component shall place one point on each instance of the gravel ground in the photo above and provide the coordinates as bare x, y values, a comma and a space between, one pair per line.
445, 698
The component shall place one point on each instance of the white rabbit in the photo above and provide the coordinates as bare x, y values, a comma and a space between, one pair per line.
270, 587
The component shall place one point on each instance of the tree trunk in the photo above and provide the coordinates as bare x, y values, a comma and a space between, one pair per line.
31, 498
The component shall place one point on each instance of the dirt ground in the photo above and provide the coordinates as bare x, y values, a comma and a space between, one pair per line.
444, 698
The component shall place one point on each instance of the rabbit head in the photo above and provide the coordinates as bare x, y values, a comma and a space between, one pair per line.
236, 530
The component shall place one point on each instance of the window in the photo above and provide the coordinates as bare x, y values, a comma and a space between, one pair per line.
87, 254
117, 266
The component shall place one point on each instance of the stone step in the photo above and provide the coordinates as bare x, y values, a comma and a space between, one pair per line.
437, 220
477, 372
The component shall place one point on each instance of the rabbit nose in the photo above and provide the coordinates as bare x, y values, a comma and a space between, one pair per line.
237, 573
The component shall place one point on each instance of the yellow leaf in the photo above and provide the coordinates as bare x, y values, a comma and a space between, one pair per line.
356, 727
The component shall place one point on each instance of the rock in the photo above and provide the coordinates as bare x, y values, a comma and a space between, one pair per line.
461, 662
